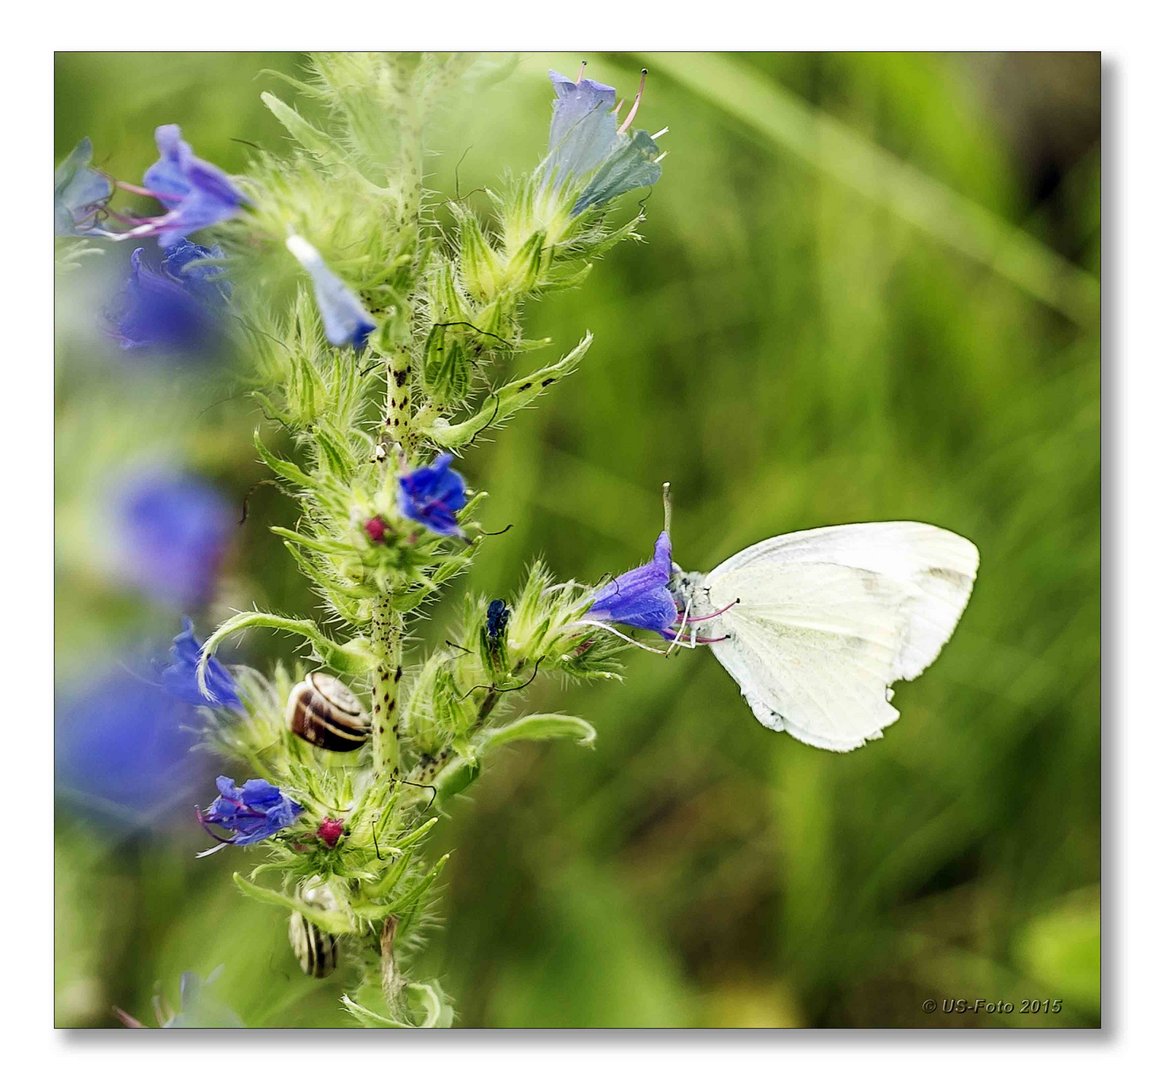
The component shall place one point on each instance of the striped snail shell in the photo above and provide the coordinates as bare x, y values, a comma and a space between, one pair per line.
322, 710
315, 949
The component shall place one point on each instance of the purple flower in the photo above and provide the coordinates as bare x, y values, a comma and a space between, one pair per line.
80, 193
172, 532
640, 597
590, 150
584, 129
180, 677
253, 812
432, 495
176, 309
123, 747
346, 320
195, 193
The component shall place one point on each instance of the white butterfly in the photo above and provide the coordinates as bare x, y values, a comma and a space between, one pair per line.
815, 626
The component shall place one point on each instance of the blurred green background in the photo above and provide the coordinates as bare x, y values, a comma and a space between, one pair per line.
869, 290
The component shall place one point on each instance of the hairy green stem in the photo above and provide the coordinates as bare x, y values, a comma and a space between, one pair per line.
388, 637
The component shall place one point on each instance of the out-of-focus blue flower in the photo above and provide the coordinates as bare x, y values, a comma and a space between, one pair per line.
180, 677
588, 148
195, 193
123, 747
198, 1007
172, 530
346, 320
640, 597
176, 309
432, 495
80, 193
253, 812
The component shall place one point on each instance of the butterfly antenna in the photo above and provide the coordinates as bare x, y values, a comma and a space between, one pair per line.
667, 506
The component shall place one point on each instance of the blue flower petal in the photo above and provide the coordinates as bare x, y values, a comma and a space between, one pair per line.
346, 320
196, 193
583, 131
79, 192
632, 165
640, 597
587, 149
172, 530
432, 495
175, 310
253, 812
180, 677
123, 746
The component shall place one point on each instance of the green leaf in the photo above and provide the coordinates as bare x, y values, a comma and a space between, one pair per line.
428, 1001
445, 369
368, 1018
317, 143
542, 726
508, 399
286, 470
331, 922
354, 657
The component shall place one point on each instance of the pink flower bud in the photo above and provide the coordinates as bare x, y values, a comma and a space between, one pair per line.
330, 831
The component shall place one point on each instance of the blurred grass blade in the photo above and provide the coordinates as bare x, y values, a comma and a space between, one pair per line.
876, 173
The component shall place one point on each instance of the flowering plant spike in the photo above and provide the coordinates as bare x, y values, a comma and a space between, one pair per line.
376, 370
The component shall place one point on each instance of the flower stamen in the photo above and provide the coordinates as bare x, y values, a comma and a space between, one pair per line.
637, 102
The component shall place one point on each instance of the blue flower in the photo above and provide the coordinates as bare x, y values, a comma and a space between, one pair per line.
640, 597
172, 532
432, 495
588, 148
180, 677
80, 193
198, 1007
583, 130
253, 812
123, 746
195, 193
176, 309
346, 320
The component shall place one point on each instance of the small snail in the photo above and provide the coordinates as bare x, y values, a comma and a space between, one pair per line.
316, 949
322, 710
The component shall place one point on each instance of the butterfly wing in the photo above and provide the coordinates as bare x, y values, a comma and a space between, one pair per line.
825, 620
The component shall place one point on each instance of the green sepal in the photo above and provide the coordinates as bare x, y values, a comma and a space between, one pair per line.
455, 778
431, 1005
316, 142
405, 904
507, 400
481, 271
425, 1001
286, 470
528, 264
335, 454
327, 547
332, 922
541, 726
445, 370
369, 1018
355, 657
